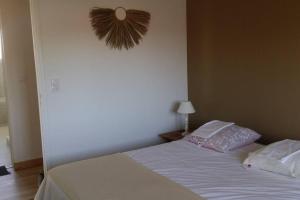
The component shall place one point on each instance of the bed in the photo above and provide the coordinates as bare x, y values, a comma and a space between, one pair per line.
204, 172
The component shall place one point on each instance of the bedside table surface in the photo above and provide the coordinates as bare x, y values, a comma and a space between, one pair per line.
172, 136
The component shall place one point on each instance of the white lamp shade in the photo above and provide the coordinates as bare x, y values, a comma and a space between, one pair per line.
186, 107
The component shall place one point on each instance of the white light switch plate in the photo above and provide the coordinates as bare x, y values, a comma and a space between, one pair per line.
54, 85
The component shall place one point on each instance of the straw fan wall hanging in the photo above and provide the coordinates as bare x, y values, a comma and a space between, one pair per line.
121, 28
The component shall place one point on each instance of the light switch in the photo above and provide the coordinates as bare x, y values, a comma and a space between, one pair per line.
54, 85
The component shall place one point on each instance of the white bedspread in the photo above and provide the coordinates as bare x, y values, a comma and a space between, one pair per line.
216, 176
211, 175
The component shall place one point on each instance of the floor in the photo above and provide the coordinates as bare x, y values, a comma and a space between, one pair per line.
20, 185
5, 156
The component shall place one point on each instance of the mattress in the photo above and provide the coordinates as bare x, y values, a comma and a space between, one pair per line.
209, 174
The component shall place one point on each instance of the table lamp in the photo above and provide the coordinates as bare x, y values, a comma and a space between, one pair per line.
186, 108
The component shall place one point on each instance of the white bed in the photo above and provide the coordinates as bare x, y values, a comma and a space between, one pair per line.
209, 174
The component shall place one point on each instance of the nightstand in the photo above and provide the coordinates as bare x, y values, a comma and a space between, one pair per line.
172, 136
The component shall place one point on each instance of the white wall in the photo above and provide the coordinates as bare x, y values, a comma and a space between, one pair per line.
20, 80
108, 100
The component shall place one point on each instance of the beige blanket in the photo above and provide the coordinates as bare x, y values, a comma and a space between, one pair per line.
116, 177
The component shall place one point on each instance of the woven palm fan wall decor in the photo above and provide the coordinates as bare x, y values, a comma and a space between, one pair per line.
121, 28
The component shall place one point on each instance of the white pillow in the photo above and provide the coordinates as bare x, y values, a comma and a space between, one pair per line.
281, 157
211, 128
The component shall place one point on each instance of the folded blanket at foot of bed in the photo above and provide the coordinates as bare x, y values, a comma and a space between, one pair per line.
110, 177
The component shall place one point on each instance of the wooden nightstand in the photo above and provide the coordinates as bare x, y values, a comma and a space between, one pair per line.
172, 136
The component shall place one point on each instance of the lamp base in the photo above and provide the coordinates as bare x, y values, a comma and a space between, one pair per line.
185, 133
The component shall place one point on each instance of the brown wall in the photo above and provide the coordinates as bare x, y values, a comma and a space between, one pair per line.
244, 64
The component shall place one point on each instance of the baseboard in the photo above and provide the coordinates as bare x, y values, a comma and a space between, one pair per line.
28, 164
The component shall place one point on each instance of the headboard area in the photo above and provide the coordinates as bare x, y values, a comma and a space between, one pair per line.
244, 64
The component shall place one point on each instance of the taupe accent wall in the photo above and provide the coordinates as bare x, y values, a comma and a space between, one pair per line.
244, 64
